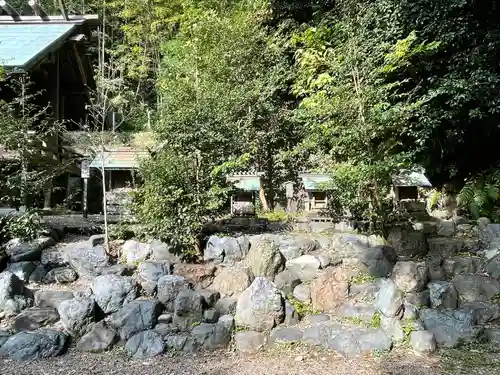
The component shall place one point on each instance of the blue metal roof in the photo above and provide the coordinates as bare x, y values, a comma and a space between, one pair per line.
22, 46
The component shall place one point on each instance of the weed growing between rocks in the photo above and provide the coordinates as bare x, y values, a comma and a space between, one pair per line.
302, 308
362, 278
376, 321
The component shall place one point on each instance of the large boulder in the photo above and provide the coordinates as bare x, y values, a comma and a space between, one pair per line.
446, 228
330, 289
306, 267
19, 250
493, 267
77, 314
145, 344
22, 270
232, 280
378, 261
264, 258
260, 307
38, 274
450, 327
226, 249
410, 276
161, 251
198, 274
134, 252
443, 295
169, 287
389, 299
136, 316
408, 241
51, 298
476, 288
53, 257
356, 310
111, 292
14, 297
34, 318
460, 265
148, 274
483, 312
302, 293
188, 309
86, 260
489, 235
27, 346
365, 292
100, 338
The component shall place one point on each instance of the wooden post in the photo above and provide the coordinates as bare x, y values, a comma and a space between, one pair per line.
85, 197
9, 10
64, 12
38, 10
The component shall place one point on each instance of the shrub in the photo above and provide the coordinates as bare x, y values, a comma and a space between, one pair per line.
26, 226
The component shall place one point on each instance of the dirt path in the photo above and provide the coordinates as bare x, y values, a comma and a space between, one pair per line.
275, 362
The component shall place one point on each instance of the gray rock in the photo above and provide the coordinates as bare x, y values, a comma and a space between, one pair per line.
26, 346
389, 299
77, 314
305, 267
111, 292
392, 327
200, 275
134, 252
213, 336
98, 339
286, 281
283, 335
483, 312
51, 298
292, 248
210, 316
260, 307
442, 248
450, 327
165, 318
443, 295
436, 272
119, 270
86, 260
363, 311
145, 344
446, 228
38, 275
4, 336
148, 274
180, 343
188, 309
97, 239
378, 260
226, 305
418, 299
324, 260
136, 316
316, 319
489, 235
161, 251
476, 288
166, 329
14, 297
250, 342
493, 267
291, 316
232, 280
423, 341
364, 292
34, 318
408, 241
19, 250
264, 258
53, 257
410, 276
460, 265
61, 276
210, 297
302, 293
226, 249
22, 270
493, 337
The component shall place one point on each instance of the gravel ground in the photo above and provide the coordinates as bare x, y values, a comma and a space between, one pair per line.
224, 363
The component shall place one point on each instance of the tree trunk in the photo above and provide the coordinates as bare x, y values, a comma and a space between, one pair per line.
263, 200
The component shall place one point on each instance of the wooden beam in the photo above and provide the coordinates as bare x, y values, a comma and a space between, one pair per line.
81, 67
64, 12
9, 10
38, 10
89, 19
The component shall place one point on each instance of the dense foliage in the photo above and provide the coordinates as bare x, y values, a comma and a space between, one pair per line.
357, 89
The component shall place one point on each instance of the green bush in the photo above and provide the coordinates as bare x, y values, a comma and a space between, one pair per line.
26, 226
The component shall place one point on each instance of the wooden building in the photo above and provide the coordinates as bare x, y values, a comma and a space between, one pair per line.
51, 52
247, 187
315, 188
